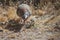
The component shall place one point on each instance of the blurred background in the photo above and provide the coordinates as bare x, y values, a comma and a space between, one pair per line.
46, 16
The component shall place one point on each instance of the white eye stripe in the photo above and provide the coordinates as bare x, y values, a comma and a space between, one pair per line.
26, 16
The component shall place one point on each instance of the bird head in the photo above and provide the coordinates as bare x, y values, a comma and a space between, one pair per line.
23, 11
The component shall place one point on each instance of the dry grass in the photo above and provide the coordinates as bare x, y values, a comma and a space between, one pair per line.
11, 13
44, 25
